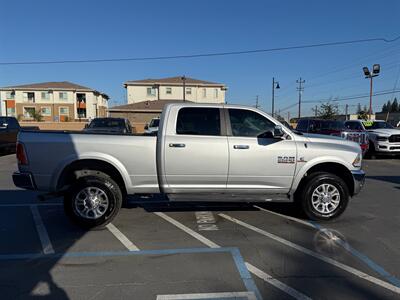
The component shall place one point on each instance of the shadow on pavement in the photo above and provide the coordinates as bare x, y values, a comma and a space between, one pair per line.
391, 179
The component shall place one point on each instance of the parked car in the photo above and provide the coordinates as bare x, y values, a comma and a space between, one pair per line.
9, 128
152, 127
109, 125
202, 152
383, 137
335, 128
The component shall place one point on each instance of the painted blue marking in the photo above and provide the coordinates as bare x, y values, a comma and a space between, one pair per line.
237, 258
365, 259
244, 273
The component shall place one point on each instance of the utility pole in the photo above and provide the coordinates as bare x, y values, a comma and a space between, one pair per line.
288, 116
300, 89
346, 110
316, 110
376, 68
184, 87
257, 101
273, 94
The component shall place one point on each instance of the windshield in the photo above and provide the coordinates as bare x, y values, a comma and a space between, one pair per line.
377, 125
113, 123
154, 123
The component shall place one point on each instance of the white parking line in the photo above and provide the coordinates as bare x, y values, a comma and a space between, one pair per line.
328, 260
276, 283
305, 223
122, 237
194, 234
268, 278
41, 230
233, 295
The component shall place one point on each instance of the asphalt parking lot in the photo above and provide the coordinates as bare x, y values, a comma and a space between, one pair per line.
158, 250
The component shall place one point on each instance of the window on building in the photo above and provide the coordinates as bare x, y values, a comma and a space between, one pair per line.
29, 97
45, 111
198, 121
10, 95
188, 91
29, 112
63, 96
204, 93
249, 123
151, 91
215, 93
168, 90
45, 95
64, 111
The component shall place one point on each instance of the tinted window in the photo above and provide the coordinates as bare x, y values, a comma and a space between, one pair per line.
249, 123
354, 126
154, 123
11, 123
198, 121
302, 125
99, 123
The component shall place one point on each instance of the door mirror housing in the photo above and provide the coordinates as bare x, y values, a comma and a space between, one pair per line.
276, 133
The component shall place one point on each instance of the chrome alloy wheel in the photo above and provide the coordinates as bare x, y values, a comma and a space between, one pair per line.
91, 203
325, 198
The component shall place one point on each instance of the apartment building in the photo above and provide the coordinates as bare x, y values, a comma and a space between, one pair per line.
54, 101
175, 88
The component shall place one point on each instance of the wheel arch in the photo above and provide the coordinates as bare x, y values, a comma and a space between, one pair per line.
335, 168
85, 167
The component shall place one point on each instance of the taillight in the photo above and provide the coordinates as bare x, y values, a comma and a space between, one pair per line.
21, 155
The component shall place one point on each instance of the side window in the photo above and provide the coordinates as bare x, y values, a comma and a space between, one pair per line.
198, 121
12, 123
353, 126
248, 123
302, 125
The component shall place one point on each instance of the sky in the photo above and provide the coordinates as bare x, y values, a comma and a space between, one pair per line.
77, 30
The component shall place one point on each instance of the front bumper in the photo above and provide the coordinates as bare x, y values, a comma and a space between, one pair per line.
382, 146
359, 179
24, 180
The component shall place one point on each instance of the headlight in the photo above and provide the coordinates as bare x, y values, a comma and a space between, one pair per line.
382, 138
357, 161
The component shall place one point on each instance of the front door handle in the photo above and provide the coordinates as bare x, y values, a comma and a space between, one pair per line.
241, 146
177, 145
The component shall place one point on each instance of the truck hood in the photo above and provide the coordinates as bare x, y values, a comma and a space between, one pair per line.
332, 142
385, 131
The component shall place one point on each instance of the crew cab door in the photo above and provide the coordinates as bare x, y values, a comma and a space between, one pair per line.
258, 165
196, 152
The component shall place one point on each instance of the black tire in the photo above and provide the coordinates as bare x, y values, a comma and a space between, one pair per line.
99, 181
313, 182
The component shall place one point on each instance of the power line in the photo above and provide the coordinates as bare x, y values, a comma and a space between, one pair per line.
378, 39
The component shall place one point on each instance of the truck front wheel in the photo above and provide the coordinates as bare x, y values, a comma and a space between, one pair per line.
324, 197
93, 201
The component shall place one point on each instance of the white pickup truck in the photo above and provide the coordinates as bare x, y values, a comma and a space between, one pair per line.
202, 152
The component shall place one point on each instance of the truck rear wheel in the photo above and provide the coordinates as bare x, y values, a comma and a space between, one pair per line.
93, 201
324, 197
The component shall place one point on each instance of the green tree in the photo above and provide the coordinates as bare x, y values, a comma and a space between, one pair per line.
384, 108
388, 105
326, 111
395, 106
37, 116
359, 109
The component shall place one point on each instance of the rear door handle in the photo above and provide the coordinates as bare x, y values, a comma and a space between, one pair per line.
241, 146
177, 145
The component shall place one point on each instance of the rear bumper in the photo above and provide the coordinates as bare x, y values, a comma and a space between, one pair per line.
24, 180
359, 179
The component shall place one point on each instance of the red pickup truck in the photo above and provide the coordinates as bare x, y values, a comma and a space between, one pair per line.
335, 128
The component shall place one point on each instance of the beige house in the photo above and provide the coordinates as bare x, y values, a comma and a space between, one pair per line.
172, 89
55, 101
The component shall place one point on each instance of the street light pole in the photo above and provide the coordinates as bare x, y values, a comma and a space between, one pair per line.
273, 94
376, 68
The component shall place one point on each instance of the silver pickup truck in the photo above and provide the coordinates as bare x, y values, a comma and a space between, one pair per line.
202, 152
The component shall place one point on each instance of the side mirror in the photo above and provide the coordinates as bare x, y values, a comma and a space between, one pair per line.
278, 131
275, 134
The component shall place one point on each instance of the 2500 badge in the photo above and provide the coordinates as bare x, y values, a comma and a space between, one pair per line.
286, 160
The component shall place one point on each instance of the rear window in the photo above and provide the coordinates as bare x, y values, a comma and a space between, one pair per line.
99, 123
354, 126
198, 121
